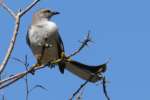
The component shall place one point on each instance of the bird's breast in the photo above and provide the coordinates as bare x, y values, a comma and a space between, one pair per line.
41, 34
44, 30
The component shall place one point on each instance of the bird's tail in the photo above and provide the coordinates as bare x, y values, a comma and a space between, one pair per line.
86, 72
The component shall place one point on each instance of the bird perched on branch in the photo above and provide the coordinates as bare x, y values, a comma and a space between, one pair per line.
46, 44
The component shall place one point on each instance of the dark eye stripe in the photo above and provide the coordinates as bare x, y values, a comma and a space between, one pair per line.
46, 11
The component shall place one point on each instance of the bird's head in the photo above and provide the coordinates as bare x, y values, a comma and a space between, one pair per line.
44, 14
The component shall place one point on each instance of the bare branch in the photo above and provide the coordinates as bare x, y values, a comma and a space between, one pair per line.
8, 10
29, 7
11, 45
26, 65
38, 86
6, 82
84, 43
18, 60
78, 90
3, 98
104, 89
80, 95
27, 87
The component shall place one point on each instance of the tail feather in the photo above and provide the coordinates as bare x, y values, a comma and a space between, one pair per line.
86, 72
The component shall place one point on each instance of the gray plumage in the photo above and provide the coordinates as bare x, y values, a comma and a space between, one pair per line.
44, 33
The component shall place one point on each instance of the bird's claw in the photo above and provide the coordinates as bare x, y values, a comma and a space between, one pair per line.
62, 55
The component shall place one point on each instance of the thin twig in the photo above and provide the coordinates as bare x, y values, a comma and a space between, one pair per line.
27, 87
8, 10
104, 89
38, 86
3, 97
84, 43
26, 65
12, 80
26, 78
29, 7
80, 95
78, 90
15, 33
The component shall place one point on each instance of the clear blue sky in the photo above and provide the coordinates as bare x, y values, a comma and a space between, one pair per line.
120, 30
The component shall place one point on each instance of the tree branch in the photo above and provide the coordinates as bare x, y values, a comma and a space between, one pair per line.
84, 43
14, 78
104, 88
29, 7
78, 90
8, 10
11, 45
26, 65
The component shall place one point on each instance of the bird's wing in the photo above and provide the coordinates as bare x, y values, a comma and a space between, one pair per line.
86, 72
60, 47
27, 37
60, 43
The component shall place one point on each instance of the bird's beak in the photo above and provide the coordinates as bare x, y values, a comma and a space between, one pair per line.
55, 13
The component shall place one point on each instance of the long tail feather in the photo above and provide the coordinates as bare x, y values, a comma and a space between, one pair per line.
86, 72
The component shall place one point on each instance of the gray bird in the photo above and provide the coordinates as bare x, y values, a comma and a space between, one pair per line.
46, 44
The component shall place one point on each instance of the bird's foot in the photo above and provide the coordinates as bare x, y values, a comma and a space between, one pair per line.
64, 57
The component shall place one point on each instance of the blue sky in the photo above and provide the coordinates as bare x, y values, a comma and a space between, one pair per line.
120, 30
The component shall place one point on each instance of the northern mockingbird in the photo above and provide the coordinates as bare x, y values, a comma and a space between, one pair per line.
46, 44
